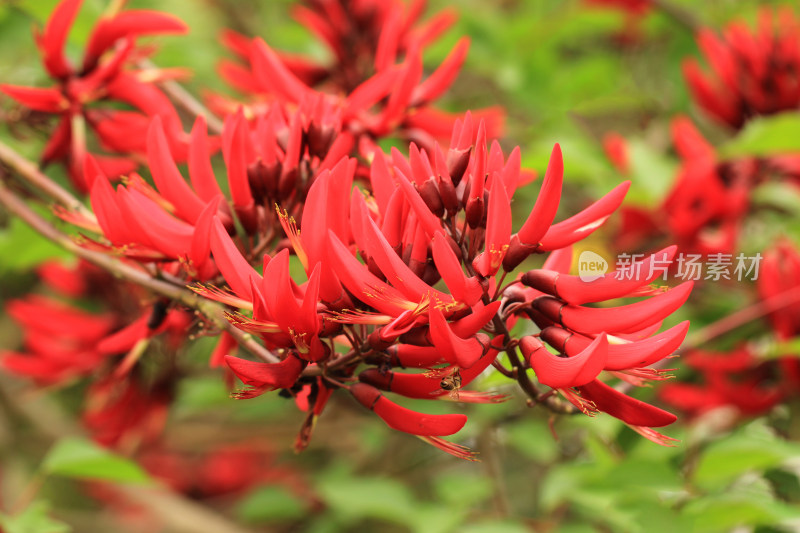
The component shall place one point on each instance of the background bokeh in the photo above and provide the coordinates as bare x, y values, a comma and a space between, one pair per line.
564, 73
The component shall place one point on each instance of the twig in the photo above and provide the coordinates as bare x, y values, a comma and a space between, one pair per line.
487, 442
178, 513
186, 100
32, 175
210, 309
678, 14
742, 317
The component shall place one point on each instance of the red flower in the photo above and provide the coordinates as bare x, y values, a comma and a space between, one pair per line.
405, 420
733, 379
752, 73
102, 76
378, 66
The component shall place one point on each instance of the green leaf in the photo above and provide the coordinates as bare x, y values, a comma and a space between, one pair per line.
493, 526
780, 195
754, 448
22, 248
462, 490
270, 504
359, 498
533, 439
34, 519
652, 174
727, 512
763, 136
82, 459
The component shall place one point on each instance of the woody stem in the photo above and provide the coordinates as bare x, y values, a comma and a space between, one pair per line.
677, 13
518, 371
210, 309
744, 316
31, 175
186, 100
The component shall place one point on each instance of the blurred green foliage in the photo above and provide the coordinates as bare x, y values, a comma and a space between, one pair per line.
562, 77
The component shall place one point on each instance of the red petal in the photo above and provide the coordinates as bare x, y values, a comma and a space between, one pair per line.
689, 143
235, 268
629, 410
168, 179
565, 372
577, 291
464, 289
267, 376
200, 171
128, 24
47, 100
402, 419
55, 35
272, 74
622, 319
546, 206
456, 350
444, 76
584, 223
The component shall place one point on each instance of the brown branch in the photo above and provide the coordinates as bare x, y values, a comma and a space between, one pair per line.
212, 310
174, 510
679, 14
742, 317
35, 177
186, 100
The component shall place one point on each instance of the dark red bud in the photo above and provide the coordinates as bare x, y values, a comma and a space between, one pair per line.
475, 211
556, 337
431, 276
377, 343
248, 216
516, 254
542, 280
263, 181
530, 345
287, 183
430, 194
374, 269
418, 336
457, 162
447, 192
329, 328
367, 395
513, 294
550, 307
417, 267
539, 318
485, 217
319, 139
376, 378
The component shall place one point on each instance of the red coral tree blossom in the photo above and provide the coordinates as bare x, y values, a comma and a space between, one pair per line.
371, 298
383, 275
751, 72
376, 77
102, 76
710, 201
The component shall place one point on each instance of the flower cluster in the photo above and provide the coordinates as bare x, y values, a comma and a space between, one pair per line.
125, 407
751, 379
375, 81
340, 267
752, 73
710, 201
103, 77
